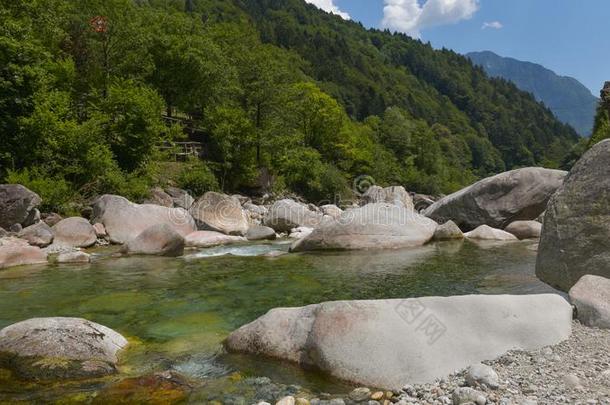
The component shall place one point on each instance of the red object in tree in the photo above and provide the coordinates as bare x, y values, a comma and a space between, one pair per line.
99, 24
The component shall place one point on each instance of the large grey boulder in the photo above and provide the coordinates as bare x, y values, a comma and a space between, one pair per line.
525, 229
285, 215
206, 239
17, 252
389, 343
485, 232
74, 232
575, 236
396, 195
39, 234
591, 297
374, 226
220, 213
497, 201
448, 231
17, 205
60, 348
125, 220
158, 240
259, 232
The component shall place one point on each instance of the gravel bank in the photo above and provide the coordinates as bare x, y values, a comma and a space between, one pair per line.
576, 371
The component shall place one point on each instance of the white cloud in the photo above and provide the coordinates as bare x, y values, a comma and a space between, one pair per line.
329, 6
411, 16
496, 25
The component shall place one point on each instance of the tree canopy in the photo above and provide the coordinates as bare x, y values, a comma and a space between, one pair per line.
274, 86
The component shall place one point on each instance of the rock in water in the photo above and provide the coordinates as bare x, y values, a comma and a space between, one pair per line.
73, 258
159, 240
591, 297
389, 343
374, 226
497, 201
17, 205
395, 195
259, 232
525, 229
17, 252
448, 231
39, 234
59, 348
124, 220
205, 239
220, 213
74, 232
575, 237
300, 232
285, 215
485, 232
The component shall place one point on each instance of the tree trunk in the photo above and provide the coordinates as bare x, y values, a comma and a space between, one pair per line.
189, 7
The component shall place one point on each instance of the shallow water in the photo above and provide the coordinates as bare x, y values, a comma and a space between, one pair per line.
177, 311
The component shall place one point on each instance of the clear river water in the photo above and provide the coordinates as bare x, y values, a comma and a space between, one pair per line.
177, 311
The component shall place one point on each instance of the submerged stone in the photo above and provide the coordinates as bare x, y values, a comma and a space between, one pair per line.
60, 348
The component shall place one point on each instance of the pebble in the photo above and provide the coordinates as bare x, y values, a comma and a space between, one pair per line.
464, 395
360, 394
289, 400
376, 396
572, 381
479, 374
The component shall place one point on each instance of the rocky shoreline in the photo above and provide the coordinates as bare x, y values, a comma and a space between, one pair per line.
575, 372
377, 342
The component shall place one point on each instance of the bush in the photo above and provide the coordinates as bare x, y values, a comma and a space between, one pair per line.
198, 179
334, 187
55, 192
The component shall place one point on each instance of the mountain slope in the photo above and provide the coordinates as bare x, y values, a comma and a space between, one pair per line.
370, 70
569, 99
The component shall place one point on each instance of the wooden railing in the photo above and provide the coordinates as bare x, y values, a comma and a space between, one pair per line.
182, 150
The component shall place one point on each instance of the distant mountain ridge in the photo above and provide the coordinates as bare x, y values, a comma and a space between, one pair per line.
569, 99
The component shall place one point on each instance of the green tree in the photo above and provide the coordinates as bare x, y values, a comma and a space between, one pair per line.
601, 128
131, 120
232, 135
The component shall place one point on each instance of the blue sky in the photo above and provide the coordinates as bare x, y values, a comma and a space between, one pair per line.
571, 37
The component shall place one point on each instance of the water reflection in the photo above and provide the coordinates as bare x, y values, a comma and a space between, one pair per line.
177, 311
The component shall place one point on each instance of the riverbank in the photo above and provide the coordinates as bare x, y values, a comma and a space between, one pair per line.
575, 372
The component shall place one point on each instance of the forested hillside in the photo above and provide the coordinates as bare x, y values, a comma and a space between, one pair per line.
272, 84
569, 99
